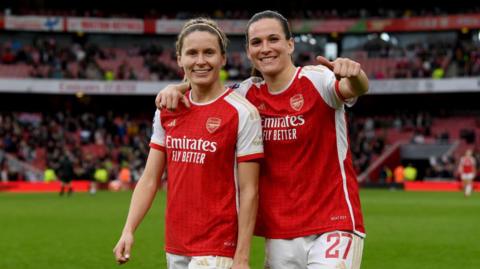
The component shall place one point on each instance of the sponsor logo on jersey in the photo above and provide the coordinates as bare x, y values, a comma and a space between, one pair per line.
172, 123
261, 106
186, 143
338, 218
283, 122
213, 124
189, 150
297, 101
281, 128
229, 244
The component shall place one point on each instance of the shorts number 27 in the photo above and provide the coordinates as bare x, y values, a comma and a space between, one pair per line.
334, 251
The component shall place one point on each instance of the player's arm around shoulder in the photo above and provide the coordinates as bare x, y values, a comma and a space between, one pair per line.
142, 199
169, 96
248, 173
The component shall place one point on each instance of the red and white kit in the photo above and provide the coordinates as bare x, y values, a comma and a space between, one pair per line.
308, 185
467, 168
203, 144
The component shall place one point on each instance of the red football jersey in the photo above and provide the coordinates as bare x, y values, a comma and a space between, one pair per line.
467, 165
203, 145
308, 184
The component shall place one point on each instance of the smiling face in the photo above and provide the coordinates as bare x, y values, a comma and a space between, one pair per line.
268, 47
201, 58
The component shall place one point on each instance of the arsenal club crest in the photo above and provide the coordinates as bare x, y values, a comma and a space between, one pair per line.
212, 124
297, 101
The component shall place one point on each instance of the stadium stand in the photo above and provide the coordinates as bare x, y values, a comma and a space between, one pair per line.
111, 130
42, 139
45, 58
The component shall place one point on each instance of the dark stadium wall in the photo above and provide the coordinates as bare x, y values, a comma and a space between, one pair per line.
142, 106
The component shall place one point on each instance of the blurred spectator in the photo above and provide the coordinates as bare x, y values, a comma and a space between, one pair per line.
93, 71
125, 72
418, 138
109, 75
66, 174
399, 174
386, 175
7, 56
49, 174
36, 72
467, 168
101, 174
4, 172
410, 172
125, 176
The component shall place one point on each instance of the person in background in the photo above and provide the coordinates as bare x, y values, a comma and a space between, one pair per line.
66, 174
125, 176
399, 173
467, 169
410, 172
49, 174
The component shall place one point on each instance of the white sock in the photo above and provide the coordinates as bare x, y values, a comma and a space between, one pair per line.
468, 190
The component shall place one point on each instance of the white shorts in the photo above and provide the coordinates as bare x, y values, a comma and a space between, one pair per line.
332, 250
198, 262
467, 176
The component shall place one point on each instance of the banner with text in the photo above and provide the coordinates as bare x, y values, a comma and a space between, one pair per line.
237, 27
105, 25
175, 26
34, 23
438, 23
384, 86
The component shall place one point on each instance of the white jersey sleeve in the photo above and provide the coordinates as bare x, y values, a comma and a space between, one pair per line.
327, 85
158, 134
243, 87
249, 138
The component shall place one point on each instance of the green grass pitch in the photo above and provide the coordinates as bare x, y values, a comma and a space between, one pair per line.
404, 230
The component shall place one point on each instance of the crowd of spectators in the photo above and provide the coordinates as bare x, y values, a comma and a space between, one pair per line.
87, 142
365, 143
371, 135
427, 60
84, 141
123, 140
45, 58
48, 59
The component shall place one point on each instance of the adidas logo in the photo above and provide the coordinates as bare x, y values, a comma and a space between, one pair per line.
172, 123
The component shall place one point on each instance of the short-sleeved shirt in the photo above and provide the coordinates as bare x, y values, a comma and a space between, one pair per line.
467, 165
203, 145
308, 184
